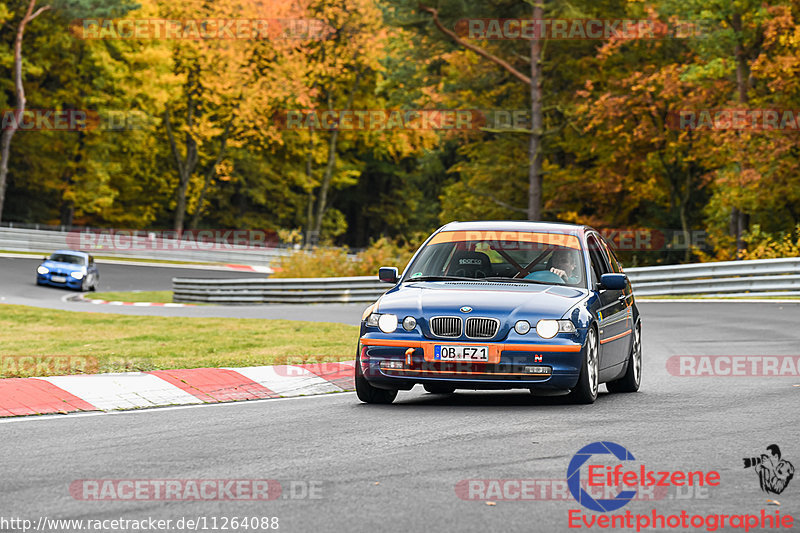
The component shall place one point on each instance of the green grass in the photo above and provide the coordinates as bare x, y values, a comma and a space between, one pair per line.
48, 342
134, 296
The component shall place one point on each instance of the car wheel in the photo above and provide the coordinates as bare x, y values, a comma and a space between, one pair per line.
585, 390
95, 281
436, 388
366, 392
84, 285
633, 375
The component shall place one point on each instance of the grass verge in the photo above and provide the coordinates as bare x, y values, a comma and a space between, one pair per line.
42, 342
134, 296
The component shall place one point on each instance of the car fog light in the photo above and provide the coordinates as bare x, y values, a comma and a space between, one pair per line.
42, 270
409, 323
387, 323
547, 329
537, 370
392, 365
522, 327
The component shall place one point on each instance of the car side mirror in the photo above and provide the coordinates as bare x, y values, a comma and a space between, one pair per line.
614, 282
388, 275
45, 258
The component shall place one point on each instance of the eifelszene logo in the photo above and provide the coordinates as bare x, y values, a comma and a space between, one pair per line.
617, 477
574, 477
774, 473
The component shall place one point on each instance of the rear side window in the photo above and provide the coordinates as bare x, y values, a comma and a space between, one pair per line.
609, 253
599, 262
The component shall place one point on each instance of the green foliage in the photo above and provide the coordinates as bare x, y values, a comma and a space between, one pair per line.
326, 262
610, 157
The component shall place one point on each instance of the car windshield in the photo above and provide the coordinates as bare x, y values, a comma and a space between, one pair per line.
68, 258
550, 258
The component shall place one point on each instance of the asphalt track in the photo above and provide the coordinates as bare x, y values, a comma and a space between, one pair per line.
17, 286
396, 468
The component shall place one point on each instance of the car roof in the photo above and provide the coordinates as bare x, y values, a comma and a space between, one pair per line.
71, 252
517, 225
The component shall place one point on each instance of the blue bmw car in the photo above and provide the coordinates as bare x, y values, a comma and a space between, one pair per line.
68, 268
502, 305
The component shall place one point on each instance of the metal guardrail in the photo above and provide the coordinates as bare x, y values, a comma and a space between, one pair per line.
46, 241
734, 278
288, 291
780, 277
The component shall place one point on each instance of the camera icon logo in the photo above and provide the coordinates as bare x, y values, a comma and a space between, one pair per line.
774, 473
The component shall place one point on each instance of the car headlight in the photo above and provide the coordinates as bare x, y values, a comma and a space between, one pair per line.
42, 270
372, 320
547, 329
77, 275
522, 327
387, 323
409, 323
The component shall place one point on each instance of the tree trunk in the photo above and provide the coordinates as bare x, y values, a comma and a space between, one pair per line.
537, 122
5, 140
738, 217
210, 174
322, 202
185, 166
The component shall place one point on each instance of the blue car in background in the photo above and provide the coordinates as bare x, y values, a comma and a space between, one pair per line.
501, 305
68, 268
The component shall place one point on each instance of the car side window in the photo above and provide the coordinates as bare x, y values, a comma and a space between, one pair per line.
599, 263
612, 259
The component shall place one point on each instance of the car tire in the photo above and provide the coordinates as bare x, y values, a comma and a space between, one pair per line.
585, 391
633, 375
95, 281
436, 388
366, 392
84, 287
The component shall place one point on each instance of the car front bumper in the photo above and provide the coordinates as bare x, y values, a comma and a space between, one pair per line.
72, 283
514, 365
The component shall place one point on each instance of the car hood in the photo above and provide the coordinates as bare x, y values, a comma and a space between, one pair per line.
63, 266
505, 301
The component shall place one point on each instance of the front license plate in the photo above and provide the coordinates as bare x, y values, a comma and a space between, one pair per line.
58, 279
460, 353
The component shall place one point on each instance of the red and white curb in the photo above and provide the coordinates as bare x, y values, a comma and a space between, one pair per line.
83, 299
251, 268
136, 390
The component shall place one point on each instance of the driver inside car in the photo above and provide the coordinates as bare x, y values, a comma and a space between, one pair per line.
565, 264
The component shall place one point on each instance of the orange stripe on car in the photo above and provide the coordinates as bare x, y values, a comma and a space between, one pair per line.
494, 349
457, 372
558, 239
615, 337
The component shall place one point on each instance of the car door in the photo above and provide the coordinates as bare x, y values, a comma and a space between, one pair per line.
613, 312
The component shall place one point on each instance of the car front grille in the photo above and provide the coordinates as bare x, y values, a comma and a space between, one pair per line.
482, 328
446, 326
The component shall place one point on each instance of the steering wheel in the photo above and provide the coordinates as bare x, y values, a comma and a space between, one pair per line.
546, 276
